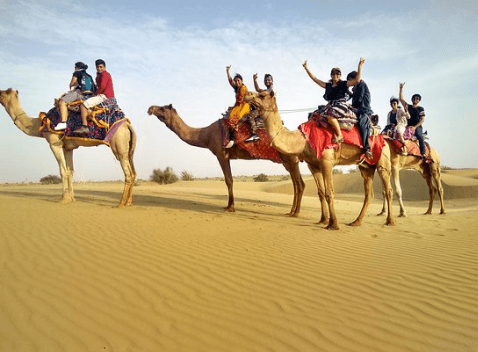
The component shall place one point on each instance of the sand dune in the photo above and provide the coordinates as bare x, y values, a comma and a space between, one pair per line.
176, 273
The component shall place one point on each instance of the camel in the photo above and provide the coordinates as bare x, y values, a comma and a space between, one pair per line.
294, 143
429, 171
210, 137
122, 145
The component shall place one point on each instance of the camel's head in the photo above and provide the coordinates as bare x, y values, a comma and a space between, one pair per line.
261, 101
163, 113
7, 96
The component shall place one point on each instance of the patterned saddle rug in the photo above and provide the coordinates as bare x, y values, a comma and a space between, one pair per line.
413, 148
102, 123
260, 149
321, 138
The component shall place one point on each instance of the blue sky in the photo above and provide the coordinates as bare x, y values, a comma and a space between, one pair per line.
176, 52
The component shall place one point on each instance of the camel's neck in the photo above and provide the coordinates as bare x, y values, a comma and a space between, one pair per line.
192, 136
282, 139
26, 124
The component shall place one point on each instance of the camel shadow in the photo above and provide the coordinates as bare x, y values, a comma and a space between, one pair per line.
172, 201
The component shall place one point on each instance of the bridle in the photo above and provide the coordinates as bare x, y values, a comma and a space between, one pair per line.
23, 113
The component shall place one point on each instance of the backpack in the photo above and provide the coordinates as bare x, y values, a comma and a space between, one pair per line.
87, 83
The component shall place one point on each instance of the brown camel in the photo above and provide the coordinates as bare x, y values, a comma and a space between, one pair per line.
122, 145
294, 143
210, 137
429, 171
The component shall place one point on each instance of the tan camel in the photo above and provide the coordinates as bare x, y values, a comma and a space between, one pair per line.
294, 143
429, 171
210, 137
122, 145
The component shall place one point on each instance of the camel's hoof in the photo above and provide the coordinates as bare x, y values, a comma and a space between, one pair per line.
119, 206
66, 200
443, 212
428, 213
323, 222
402, 215
381, 213
332, 227
390, 223
230, 209
293, 215
356, 223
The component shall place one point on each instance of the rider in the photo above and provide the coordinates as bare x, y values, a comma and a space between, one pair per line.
82, 87
254, 114
399, 117
240, 108
336, 91
417, 118
104, 92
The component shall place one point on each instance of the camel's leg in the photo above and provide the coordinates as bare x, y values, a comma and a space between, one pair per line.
367, 174
70, 171
398, 190
436, 174
319, 181
120, 146
58, 152
384, 204
299, 186
326, 170
384, 174
226, 170
425, 172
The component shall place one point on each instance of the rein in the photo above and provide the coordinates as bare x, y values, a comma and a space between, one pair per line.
264, 117
17, 116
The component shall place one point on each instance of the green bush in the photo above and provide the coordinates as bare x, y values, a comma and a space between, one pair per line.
50, 180
187, 176
261, 178
164, 177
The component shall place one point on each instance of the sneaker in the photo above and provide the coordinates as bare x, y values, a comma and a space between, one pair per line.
82, 129
229, 145
252, 138
404, 150
60, 127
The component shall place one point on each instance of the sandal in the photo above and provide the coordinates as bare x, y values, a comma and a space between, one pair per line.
368, 154
338, 139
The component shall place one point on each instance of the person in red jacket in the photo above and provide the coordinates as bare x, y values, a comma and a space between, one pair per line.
104, 91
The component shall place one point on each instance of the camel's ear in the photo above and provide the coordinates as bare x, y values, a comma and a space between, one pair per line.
170, 106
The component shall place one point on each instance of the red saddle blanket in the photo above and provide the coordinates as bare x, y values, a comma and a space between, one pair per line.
101, 125
260, 149
321, 138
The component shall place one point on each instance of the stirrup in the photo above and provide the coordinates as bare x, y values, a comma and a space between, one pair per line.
252, 138
229, 145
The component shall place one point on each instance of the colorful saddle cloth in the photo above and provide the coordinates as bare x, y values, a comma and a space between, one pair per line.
260, 149
413, 147
321, 138
102, 123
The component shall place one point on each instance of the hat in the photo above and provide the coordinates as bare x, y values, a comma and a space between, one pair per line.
392, 99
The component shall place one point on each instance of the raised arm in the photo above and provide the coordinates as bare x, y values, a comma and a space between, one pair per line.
357, 78
311, 75
229, 78
400, 96
256, 85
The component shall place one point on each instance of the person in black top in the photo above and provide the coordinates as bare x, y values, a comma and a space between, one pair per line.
336, 90
417, 118
361, 99
81, 87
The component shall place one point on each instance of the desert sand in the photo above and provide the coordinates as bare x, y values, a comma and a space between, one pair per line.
177, 273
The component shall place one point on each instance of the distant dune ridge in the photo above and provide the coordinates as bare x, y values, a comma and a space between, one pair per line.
175, 272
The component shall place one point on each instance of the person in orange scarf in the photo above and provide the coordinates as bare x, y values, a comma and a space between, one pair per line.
240, 108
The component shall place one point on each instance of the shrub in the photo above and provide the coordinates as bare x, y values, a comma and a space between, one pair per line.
164, 177
50, 180
261, 178
187, 176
